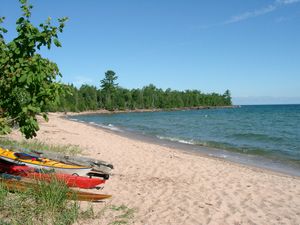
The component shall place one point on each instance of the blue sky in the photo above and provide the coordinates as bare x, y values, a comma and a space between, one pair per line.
251, 47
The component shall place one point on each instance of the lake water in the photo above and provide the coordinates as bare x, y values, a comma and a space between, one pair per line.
264, 134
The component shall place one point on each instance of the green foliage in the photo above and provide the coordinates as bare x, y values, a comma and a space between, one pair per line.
27, 80
227, 96
4, 126
113, 97
89, 97
108, 83
109, 87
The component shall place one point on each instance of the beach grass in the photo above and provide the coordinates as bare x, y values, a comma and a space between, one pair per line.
124, 214
46, 204
39, 146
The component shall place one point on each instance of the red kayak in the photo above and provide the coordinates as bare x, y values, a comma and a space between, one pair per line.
29, 172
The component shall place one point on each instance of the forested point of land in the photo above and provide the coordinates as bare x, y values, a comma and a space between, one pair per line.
110, 96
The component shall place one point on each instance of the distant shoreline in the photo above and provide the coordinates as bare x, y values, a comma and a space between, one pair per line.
104, 111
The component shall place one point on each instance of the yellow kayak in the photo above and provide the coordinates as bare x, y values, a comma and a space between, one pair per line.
43, 163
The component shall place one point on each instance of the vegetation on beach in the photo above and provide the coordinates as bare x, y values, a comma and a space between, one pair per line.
111, 96
125, 214
46, 205
39, 146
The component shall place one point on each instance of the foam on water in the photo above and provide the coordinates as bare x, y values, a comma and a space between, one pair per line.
110, 127
176, 140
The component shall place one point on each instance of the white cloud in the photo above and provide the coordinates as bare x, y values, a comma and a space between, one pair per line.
286, 2
251, 14
261, 11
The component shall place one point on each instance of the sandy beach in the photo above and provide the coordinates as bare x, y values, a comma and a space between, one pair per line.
168, 186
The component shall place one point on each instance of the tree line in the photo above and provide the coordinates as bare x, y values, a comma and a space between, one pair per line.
111, 96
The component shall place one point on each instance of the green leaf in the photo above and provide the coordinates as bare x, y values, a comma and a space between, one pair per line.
25, 110
32, 108
3, 30
56, 42
2, 19
23, 78
20, 20
45, 116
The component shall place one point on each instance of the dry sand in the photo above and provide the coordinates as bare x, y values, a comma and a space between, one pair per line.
168, 186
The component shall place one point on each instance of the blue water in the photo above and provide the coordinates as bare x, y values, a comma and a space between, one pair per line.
268, 131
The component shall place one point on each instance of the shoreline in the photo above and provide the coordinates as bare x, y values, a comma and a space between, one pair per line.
202, 151
104, 111
248, 160
167, 186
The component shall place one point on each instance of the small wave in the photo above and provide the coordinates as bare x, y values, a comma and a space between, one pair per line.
110, 127
176, 140
223, 156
